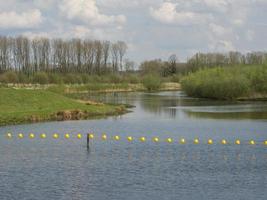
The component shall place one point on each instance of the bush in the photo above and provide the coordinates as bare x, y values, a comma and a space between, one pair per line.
226, 83
132, 78
23, 78
72, 79
152, 82
176, 78
41, 78
9, 77
55, 78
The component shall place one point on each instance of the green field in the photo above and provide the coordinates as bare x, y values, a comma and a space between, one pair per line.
22, 105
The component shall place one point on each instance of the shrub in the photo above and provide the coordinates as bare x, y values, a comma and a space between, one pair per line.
72, 79
55, 78
9, 77
176, 78
152, 82
226, 83
41, 78
132, 78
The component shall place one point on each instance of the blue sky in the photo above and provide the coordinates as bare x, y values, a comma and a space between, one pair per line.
151, 28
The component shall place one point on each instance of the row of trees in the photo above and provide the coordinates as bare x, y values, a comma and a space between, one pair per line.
200, 60
57, 55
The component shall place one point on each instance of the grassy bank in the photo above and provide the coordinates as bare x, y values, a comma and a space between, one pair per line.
22, 105
103, 87
237, 82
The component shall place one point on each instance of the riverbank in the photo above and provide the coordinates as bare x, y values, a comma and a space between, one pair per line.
93, 87
25, 106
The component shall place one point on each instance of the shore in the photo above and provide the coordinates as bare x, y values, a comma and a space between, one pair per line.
19, 106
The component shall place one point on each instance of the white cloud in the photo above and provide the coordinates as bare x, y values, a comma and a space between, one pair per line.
167, 13
88, 12
26, 19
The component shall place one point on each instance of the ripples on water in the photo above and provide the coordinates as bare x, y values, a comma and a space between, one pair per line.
65, 169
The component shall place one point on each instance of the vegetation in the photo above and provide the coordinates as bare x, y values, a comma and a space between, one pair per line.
152, 82
227, 83
21, 105
64, 56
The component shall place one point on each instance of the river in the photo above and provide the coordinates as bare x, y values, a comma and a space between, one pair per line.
65, 169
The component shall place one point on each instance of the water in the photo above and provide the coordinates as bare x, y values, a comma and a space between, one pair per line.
65, 169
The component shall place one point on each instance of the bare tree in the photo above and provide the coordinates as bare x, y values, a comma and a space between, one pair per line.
122, 47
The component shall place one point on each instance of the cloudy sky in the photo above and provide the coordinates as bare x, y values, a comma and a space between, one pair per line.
151, 28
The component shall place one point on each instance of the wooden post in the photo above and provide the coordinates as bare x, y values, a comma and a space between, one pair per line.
88, 140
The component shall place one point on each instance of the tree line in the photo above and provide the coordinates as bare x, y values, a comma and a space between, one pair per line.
201, 60
29, 56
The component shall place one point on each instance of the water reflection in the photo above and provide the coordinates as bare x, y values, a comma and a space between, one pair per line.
175, 104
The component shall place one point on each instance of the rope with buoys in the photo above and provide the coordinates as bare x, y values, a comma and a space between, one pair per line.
104, 137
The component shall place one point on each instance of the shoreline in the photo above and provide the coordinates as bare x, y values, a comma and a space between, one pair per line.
20, 106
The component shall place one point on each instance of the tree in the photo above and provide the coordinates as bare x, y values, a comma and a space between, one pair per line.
122, 47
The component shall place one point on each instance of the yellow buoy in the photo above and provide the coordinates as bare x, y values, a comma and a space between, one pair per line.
224, 141
156, 139
182, 141
169, 140
265, 142
116, 137
55, 136
210, 141
196, 141
9, 135
237, 142
43, 135
91, 136
104, 137
130, 138
31, 136
252, 142
79, 136
21, 135
67, 136
142, 139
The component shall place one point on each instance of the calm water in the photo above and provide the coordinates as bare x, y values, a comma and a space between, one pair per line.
65, 169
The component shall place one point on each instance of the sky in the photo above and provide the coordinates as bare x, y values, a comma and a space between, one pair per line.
151, 28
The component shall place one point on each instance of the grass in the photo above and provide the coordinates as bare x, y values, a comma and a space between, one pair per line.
22, 105
236, 82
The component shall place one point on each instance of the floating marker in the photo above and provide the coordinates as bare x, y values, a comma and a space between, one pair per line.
91, 136
182, 141
169, 140
156, 139
79, 136
21, 135
210, 141
142, 139
31, 136
9, 135
104, 137
116, 137
196, 141
55, 136
265, 142
43, 135
252, 142
67, 136
130, 138
237, 142
224, 142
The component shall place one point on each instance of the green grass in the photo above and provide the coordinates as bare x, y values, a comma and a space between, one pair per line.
21, 105
227, 83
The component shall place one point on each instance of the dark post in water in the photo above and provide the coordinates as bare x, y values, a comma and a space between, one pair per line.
88, 140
